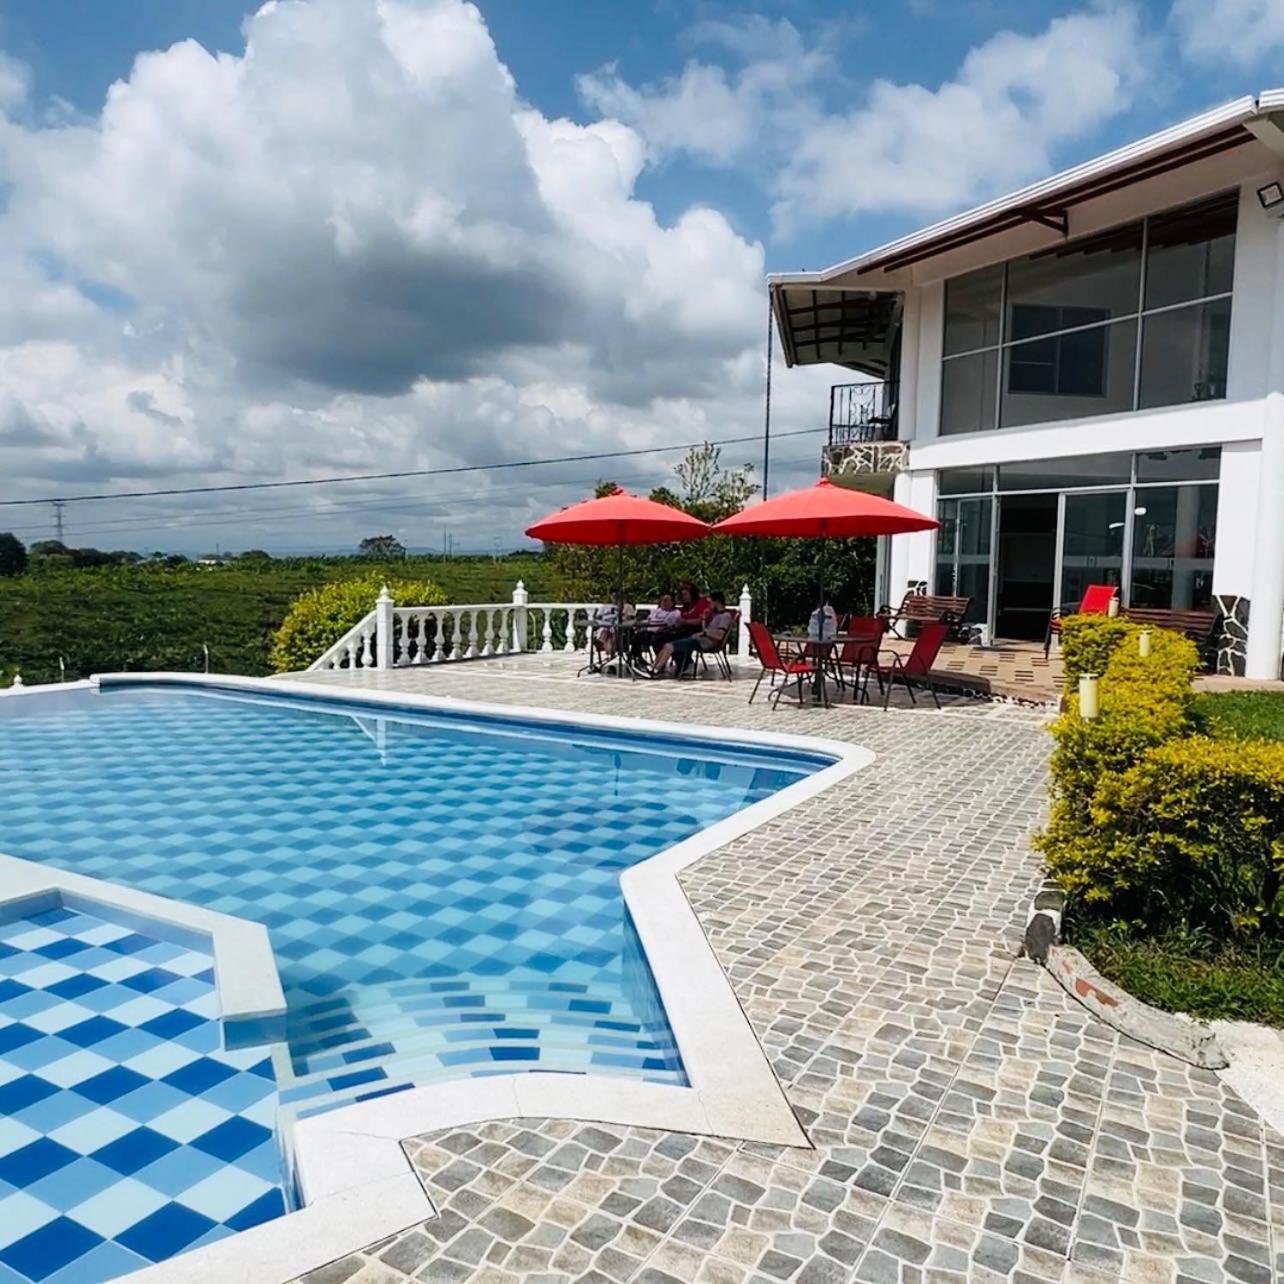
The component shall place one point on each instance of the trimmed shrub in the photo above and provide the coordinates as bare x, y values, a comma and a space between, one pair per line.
1194, 832
317, 620
1145, 702
1088, 642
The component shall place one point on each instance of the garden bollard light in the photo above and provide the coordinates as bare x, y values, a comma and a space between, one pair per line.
1113, 608
1089, 696
1143, 643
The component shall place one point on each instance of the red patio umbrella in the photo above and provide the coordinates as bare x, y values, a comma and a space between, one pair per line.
618, 518
825, 511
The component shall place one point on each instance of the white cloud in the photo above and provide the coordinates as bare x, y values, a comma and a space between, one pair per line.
716, 116
904, 147
354, 248
1215, 32
996, 124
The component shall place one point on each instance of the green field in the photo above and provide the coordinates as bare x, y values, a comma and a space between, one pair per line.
115, 618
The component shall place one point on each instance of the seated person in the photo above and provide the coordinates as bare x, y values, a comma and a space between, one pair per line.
693, 608
711, 636
605, 620
661, 626
665, 615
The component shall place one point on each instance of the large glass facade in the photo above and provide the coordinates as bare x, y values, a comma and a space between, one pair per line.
1024, 538
1130, 319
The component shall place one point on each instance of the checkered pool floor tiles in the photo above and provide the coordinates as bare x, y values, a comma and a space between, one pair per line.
126, 1135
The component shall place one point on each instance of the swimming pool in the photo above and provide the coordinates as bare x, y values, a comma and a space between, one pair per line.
442, 892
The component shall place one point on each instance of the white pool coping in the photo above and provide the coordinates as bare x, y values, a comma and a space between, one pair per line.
349, 1166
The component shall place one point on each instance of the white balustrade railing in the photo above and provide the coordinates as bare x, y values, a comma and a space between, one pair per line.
394, 636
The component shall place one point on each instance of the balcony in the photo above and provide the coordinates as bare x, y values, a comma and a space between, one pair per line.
862, 412
863, 451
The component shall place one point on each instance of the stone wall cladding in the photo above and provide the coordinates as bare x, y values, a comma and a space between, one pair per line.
1232, 637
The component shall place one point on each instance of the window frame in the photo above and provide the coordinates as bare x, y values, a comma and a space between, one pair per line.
1005, 343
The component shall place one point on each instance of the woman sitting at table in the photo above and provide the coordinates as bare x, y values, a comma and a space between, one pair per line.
605, 619
710, 637
693, 609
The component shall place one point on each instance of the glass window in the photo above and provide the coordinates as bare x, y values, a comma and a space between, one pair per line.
1092, 541
1185, 353
1068, 376
972, 306
963, 553
1093, 279
968, 390
965, 481
1191, 252
1173, 543
1202, 463
1063, 474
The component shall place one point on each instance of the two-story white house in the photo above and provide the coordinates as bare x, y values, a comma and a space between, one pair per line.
1084, 381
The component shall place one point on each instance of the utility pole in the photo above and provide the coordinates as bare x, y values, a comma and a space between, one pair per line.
58, 506
766, 425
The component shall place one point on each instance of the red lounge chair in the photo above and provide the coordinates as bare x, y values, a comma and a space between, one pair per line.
917, 667
770, 659
1096, 601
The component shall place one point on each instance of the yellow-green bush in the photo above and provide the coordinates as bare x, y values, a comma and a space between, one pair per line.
317, 620
1144, 703
1194, 831
1088, 642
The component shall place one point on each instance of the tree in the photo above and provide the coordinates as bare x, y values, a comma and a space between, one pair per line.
381, 546
13, 554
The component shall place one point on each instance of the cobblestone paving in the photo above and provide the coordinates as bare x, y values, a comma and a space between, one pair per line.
968, 1121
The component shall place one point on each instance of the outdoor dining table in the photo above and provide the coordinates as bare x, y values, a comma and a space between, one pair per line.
821, 649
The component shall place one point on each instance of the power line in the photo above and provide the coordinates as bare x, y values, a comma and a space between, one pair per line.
417, 472
253, 518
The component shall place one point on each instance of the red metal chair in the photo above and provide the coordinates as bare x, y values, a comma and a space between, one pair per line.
867, 632
916, 667
770, 658
1096, 601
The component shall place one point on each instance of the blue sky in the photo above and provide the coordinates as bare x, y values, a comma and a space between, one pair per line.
77, 48
350, 235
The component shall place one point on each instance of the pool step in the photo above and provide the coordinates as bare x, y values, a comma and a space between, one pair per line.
316, 1094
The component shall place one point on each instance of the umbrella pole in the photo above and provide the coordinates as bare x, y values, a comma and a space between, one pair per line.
619, 605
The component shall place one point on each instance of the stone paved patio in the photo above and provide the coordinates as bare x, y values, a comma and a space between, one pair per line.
968, 1121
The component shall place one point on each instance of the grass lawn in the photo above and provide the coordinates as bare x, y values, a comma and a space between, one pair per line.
1242, 715
1189, 973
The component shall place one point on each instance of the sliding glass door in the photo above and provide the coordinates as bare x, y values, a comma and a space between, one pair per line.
1091, 544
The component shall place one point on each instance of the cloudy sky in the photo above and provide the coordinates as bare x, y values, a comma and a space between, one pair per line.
352, 236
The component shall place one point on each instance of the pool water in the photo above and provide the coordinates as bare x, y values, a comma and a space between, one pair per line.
127, 1134
442, 893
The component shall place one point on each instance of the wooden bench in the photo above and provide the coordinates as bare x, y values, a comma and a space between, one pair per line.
1199, 626
921, 608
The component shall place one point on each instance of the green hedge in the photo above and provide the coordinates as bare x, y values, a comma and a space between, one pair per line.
317, 620
1151, 822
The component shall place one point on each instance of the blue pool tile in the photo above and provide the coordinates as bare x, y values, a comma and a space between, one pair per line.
27, 1165
231, 1139
134, 1150
40, 1254
92, 1031
166, 1232
111, 1085
19, 1093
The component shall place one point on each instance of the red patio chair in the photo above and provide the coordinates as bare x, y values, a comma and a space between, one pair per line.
1096, 601
916, 667
867, 632
770, 659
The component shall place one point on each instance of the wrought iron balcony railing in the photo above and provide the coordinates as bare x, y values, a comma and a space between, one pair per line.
863, 412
